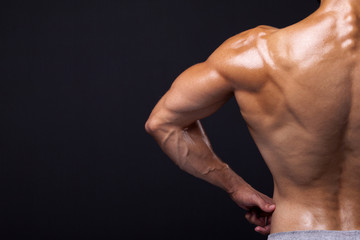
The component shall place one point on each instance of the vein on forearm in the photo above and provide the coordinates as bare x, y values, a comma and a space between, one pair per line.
190, 149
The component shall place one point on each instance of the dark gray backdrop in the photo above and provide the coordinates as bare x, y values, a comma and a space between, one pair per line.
78, 80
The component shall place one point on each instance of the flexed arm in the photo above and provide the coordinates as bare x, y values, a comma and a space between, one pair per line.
174, 123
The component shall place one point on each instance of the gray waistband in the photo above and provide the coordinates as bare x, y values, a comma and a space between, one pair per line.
316, 235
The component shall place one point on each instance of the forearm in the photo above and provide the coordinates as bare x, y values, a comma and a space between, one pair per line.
190, 149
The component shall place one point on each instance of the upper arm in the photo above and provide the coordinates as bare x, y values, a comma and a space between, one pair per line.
196, 93
204, 88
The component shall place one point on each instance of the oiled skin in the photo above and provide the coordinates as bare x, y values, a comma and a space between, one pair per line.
298, 89
311, 136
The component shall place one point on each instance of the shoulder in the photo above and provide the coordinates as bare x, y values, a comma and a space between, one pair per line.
247, 37
240, 59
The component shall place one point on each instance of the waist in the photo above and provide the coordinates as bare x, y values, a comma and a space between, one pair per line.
316, 235
315, 213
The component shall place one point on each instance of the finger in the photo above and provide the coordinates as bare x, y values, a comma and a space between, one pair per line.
259, 212
264, 202
263, 230
264, 205
267, 198
254, 218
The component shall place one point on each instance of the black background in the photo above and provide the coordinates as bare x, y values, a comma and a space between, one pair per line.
78, 81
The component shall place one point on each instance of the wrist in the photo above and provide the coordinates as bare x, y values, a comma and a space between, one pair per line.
234, 183
221, 175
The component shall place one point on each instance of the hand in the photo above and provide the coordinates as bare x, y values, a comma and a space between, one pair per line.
259, 207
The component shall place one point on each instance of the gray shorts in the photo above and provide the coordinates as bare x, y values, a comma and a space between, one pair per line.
316, 235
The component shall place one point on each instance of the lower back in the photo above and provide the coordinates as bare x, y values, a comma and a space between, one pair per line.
314, 209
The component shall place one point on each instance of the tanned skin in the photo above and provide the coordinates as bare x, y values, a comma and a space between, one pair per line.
298, 89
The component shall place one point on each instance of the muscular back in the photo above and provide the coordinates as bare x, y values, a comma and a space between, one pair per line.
298, 89
302, 107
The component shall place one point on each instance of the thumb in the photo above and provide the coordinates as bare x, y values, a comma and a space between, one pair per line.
264, 205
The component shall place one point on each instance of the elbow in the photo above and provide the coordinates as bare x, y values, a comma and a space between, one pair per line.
152, 125
157, 125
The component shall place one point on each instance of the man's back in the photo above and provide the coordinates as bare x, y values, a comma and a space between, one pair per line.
298, 89
304, 115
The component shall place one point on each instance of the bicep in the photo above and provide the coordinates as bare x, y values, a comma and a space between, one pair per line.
197, 93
